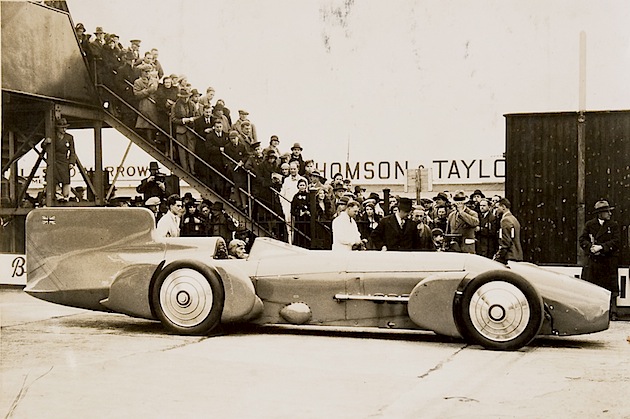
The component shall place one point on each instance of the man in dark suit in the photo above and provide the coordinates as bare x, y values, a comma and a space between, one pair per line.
601, 240
396, 231
509, 234
487, 233
212, 153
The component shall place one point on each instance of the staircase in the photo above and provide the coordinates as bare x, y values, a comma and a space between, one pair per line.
166, 159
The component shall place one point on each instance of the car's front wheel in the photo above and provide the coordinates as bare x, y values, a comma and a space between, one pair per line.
499, 310
187, 297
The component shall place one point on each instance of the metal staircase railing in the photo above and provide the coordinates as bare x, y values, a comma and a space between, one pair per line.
166, 158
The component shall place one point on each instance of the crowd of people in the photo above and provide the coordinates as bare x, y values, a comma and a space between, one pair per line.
282, 191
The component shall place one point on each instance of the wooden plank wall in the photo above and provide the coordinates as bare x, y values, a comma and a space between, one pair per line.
541, 178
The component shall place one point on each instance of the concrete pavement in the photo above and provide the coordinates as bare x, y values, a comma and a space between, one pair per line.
58, 362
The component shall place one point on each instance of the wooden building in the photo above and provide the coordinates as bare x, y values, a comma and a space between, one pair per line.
558, 166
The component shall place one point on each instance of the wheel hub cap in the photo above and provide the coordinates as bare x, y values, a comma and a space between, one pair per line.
186, 297
499, 311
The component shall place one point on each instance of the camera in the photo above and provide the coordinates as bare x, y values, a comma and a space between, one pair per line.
160, 177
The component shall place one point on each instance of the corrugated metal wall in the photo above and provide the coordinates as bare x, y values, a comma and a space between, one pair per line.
542, 178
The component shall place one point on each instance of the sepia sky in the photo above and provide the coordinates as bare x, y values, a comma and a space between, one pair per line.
375, 80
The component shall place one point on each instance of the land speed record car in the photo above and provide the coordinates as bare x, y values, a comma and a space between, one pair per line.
110, 259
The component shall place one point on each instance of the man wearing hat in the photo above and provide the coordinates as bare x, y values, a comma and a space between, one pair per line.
154, 184
601, 241
238, 125
509, 234
237, 156
134, 48
153, 205
65, 157
296, 155
396, 232
463, 221
144, 89
96, 46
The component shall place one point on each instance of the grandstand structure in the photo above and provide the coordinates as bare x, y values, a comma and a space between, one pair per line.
45, 78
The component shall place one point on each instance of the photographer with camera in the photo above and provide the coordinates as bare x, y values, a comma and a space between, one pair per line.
154, 185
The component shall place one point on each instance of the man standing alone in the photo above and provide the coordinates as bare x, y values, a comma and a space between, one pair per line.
601, 240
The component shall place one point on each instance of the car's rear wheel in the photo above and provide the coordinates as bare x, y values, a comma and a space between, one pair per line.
187, 297
499, 310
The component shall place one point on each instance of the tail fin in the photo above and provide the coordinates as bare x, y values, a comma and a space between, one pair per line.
72, 252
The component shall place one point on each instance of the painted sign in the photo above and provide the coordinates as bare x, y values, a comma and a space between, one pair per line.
460, 171
12, 269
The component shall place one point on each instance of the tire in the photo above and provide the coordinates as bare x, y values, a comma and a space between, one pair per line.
188, 297
498, 310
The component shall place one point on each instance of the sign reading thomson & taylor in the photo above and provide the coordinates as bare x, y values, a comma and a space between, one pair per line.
488, 170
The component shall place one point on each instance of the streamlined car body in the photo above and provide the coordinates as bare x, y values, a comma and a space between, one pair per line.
110, 259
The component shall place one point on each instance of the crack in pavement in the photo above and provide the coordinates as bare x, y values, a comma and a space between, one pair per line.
442, 363
22, 393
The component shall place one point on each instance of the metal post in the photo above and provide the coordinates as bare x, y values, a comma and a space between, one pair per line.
51, 139
386, 200
581, 146
581, 180
13, 185
99, 196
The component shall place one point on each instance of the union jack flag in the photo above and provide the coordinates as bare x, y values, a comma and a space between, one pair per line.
48, 220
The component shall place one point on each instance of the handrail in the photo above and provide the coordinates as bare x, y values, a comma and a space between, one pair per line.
198, 159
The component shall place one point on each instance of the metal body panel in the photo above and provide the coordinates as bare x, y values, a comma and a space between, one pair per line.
431, 303
576, 306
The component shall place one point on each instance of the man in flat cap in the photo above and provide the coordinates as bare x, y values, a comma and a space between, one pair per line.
243, 116
601, 242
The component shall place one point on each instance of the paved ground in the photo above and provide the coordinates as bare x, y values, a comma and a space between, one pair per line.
57, 362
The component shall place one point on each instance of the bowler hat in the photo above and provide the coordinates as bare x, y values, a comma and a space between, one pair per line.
602, 206
319, 175
404, 204
61, 122
183, 93
441, 196
297, 145
338, 186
